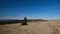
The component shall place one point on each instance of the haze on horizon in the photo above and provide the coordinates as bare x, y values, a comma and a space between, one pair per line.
32, 9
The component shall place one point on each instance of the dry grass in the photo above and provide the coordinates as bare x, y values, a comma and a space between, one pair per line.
49, 27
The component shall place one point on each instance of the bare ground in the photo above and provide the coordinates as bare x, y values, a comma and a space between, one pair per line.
48, 27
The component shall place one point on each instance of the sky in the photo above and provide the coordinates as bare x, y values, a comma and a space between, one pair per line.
32, 9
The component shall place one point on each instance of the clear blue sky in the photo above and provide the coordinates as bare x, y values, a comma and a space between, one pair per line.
40, 9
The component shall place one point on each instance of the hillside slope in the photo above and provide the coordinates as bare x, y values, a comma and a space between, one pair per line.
49, 27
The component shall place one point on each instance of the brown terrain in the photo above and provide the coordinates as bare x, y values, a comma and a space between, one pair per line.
35, 27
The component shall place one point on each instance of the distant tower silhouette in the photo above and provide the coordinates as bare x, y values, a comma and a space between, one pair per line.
25, 19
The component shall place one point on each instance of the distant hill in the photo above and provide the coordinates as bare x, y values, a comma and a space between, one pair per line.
10, 21
7, 20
